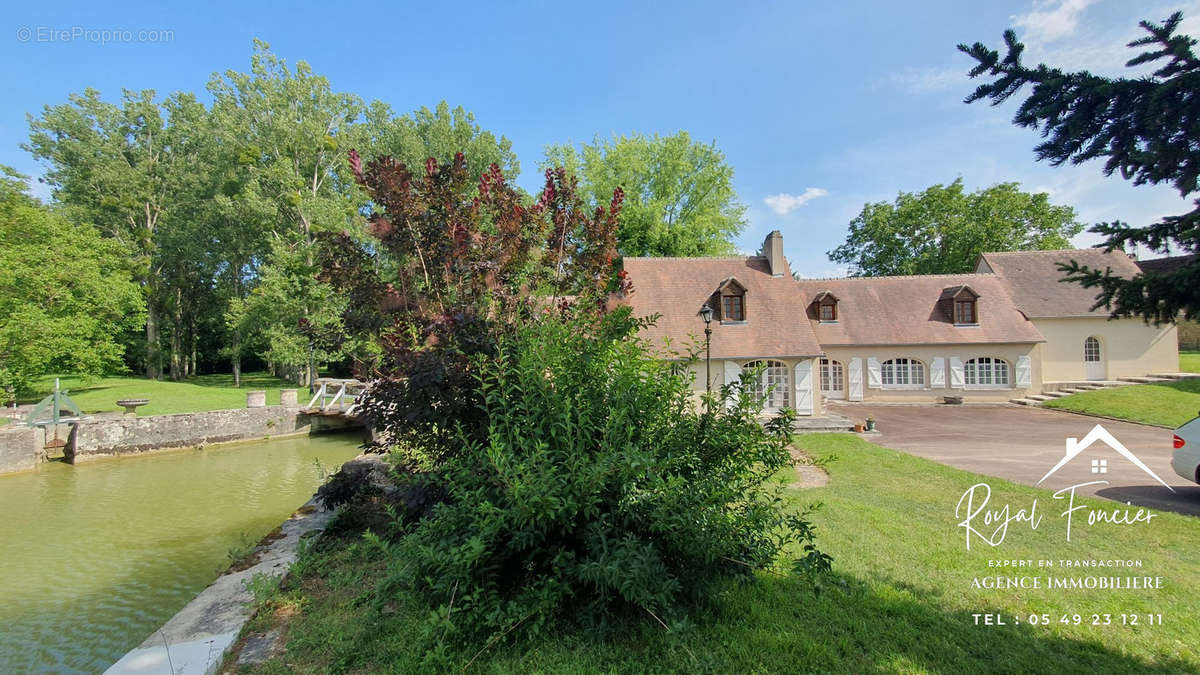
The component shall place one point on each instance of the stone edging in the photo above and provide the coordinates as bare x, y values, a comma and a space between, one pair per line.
1108, 417
196, 639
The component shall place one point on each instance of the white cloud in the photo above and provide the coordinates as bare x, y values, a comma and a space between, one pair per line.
930, 80
784, 203
1051, 20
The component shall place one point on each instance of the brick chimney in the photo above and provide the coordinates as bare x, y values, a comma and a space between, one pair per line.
773, 251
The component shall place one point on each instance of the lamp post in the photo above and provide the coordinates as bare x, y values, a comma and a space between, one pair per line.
706, 313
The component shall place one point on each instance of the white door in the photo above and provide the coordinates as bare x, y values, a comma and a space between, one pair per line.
855, 379
1093, 359
833, 379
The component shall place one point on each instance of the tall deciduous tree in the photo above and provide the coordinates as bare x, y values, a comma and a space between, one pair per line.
120, 167
440, 133
943, 229
1143, 127
65, 292
290, 129
679, 196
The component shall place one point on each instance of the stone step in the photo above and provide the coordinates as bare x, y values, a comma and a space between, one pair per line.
1144, 379
1057, 394
1024, 401
1040, 398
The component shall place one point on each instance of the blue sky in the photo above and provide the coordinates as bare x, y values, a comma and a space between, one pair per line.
819, 107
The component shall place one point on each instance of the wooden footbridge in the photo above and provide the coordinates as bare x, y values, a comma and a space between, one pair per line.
336, 398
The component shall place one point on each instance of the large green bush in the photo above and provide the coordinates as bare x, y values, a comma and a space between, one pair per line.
600, 492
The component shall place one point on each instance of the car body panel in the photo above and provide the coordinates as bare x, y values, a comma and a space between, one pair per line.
1186, 460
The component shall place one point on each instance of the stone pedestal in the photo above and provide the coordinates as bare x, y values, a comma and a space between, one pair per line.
256, 399
287, 397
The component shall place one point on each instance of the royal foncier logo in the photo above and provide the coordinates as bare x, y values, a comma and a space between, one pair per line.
983, 522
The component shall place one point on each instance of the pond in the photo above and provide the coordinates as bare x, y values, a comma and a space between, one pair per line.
94, 558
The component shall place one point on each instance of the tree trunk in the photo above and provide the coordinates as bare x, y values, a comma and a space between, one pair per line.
153, 353
191, 370
177, 336
235, 348
235, 356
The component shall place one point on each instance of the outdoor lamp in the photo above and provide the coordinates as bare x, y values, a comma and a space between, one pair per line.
706, 313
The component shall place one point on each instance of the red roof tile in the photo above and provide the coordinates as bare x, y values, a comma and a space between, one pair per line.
676, 288
1036, 283
916, 310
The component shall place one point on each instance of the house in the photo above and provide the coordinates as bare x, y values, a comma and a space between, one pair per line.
1005, 331
1189, 331
758, 320
1081, 343
912, 338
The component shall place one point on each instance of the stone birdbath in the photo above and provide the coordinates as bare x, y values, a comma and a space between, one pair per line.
131, 405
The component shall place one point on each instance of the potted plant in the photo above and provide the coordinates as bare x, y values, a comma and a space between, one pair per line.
870, 424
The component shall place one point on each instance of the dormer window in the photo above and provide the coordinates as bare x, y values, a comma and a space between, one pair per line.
965, 311
733, 307
962, 303
826, 304
733, 300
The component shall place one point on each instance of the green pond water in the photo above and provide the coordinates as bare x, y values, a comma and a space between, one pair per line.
94, 558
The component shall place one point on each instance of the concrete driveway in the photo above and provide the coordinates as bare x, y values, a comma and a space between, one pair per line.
1022, 444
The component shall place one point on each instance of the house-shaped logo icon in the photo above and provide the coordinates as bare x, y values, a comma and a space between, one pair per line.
1099, 433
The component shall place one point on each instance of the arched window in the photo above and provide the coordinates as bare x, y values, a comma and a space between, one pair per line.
833, 378
903, 373
772, 385
986, 371
1091, 350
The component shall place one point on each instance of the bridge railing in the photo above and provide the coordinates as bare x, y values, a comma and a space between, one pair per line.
337, 396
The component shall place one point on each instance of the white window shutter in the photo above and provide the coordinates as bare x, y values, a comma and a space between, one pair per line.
732, 372
937, 373
956, 373
1024, 372
856, 380
804, 387
874, 380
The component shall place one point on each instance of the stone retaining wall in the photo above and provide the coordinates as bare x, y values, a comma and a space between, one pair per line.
20, 448
121, 436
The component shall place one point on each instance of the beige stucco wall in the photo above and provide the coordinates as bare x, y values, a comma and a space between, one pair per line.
1128, 347
926, 354
718, 377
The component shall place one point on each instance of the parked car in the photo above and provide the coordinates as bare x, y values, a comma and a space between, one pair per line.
1186, 460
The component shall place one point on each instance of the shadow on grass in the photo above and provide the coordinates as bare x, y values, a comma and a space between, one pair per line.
781, 625
248, 381
778, 624
1191, 386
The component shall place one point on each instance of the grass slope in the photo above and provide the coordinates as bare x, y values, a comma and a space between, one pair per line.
901, 600
195, 394
1189, 362
1169, 404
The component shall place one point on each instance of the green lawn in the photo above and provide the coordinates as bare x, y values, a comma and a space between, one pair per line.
901, 599
1169, 404
1189, 362
205, 392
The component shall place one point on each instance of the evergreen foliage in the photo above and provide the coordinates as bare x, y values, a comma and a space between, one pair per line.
1141, 127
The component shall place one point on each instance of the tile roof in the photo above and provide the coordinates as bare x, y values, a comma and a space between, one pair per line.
916, 310
1168, 265
676, 288
1035, 282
